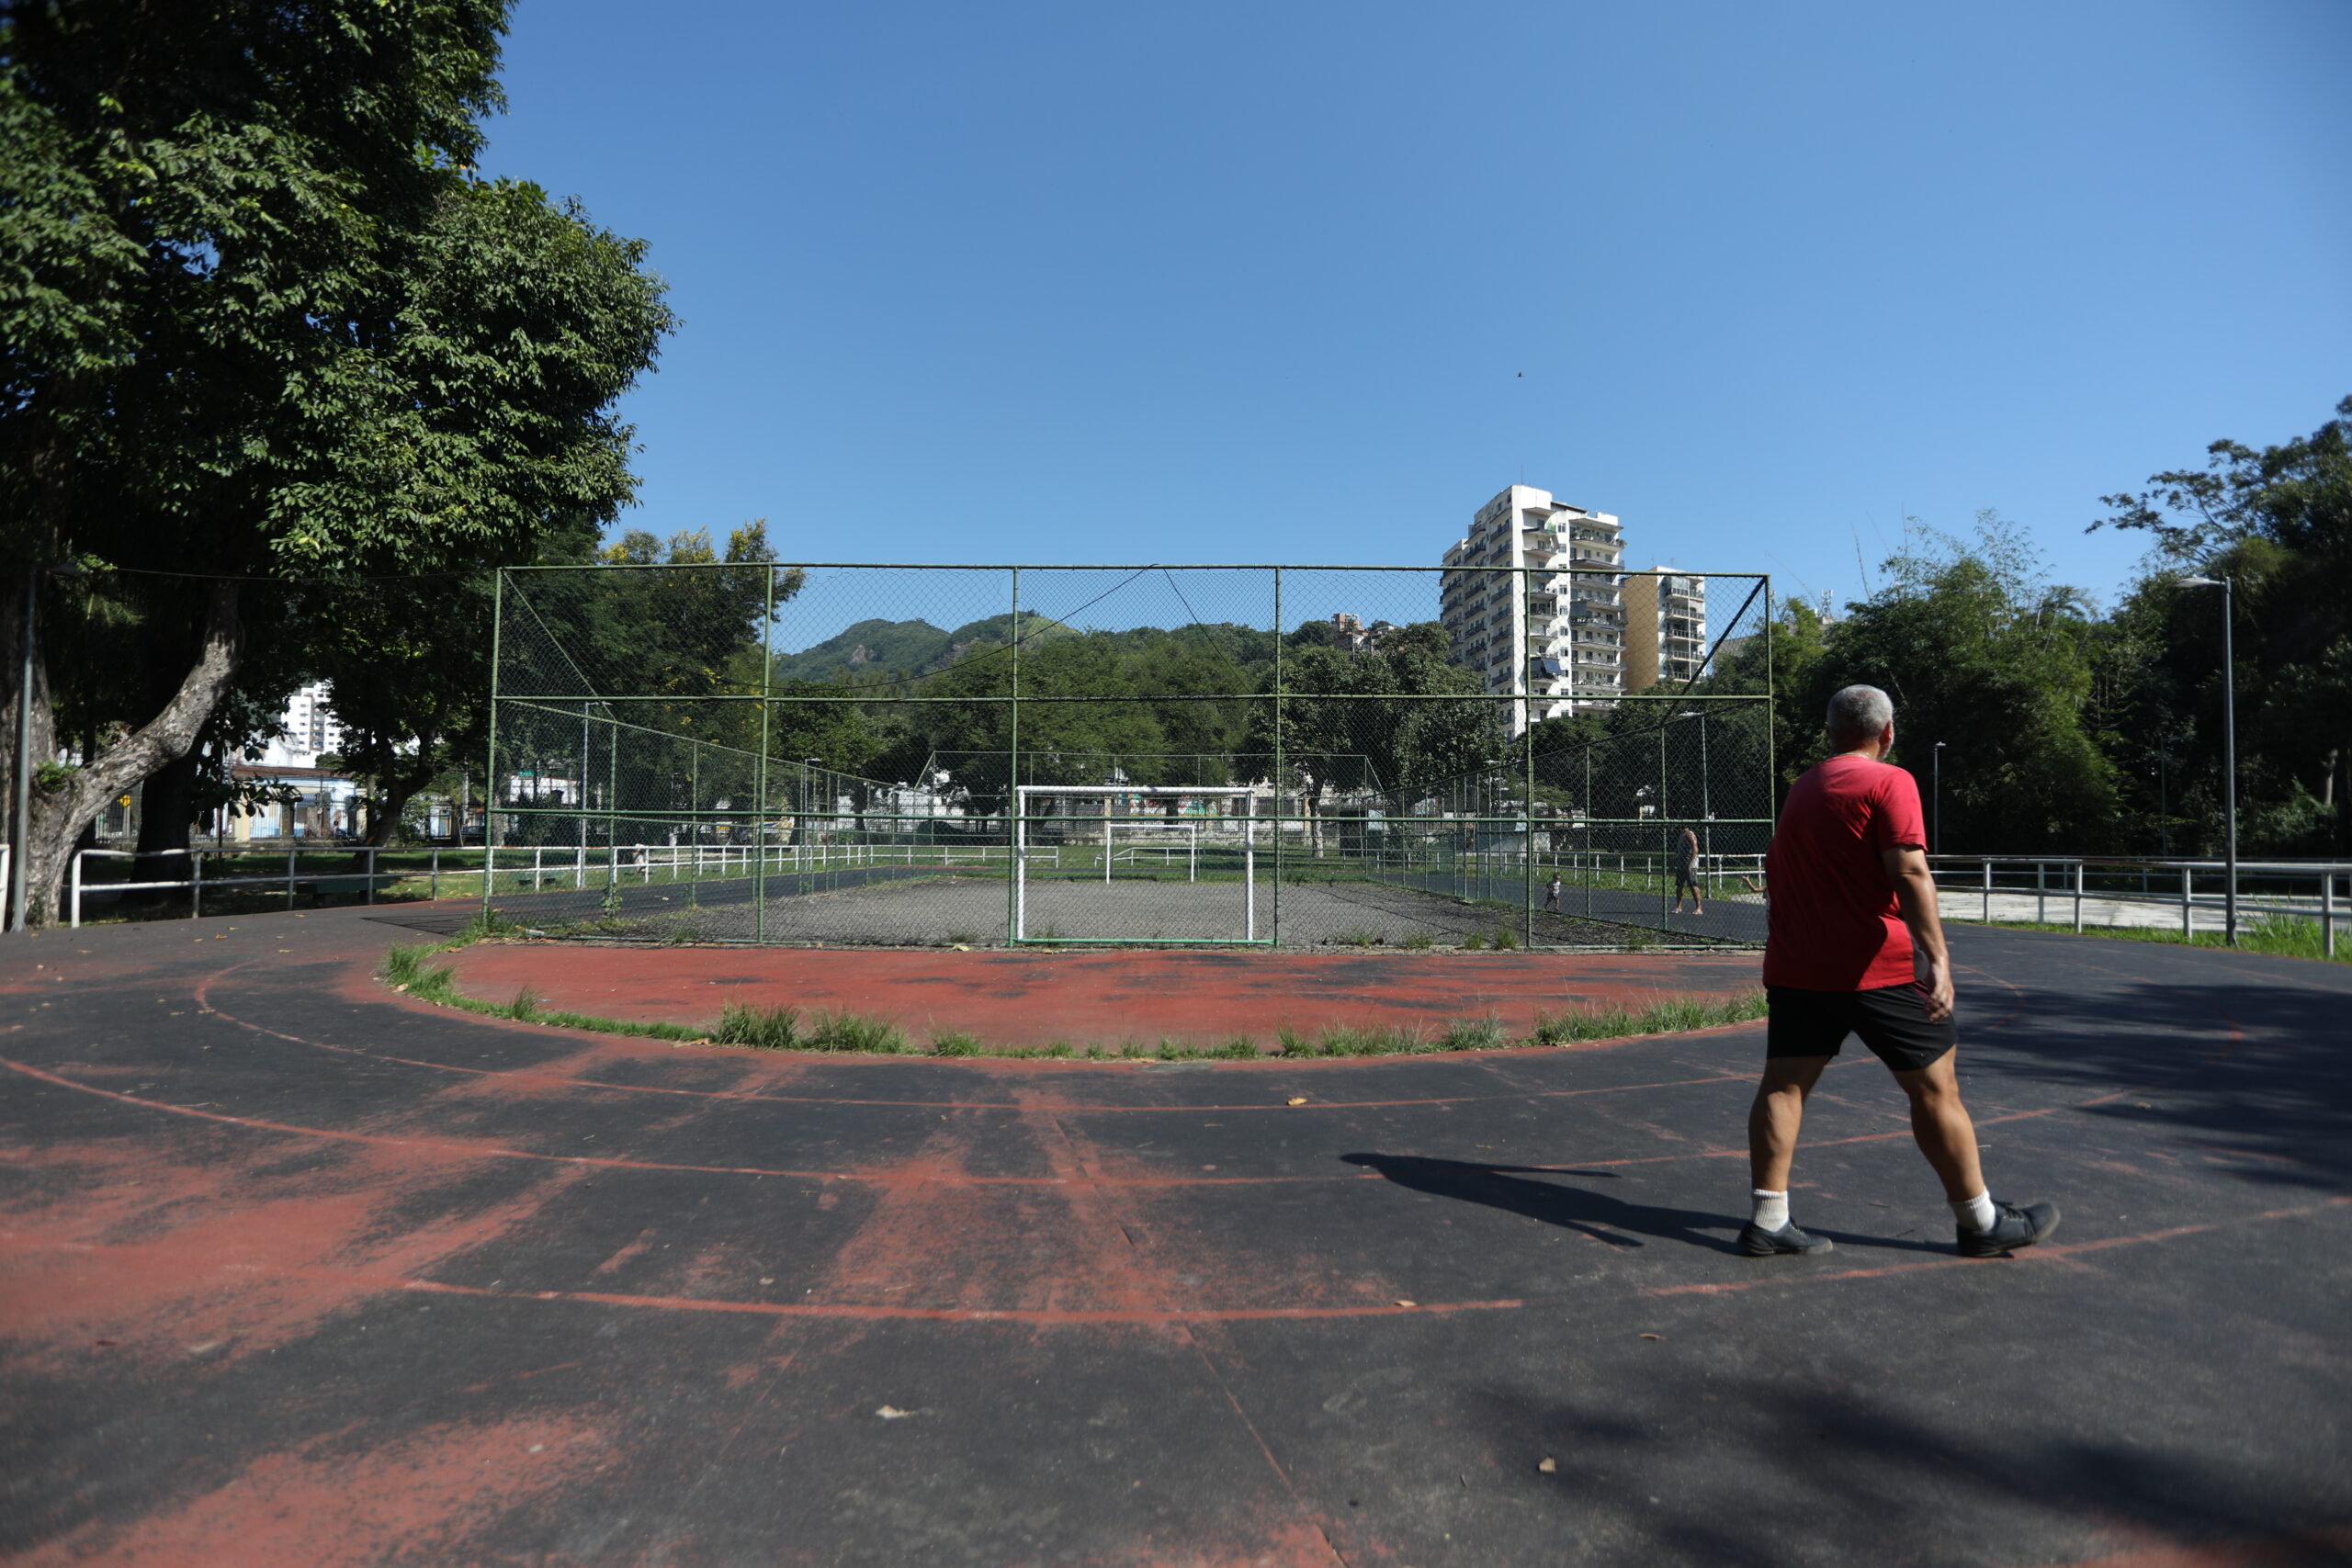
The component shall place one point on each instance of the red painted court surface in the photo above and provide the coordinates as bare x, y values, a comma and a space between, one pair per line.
295, 1273
1134, 996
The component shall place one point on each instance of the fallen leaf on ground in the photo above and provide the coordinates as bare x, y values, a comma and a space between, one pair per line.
1652, 1336
1403, 1303
892, 1413
1547, 1467
1295, 1099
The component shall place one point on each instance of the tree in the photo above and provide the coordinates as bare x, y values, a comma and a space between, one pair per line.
261, 322
2278, 523
1342, 727
1979, 651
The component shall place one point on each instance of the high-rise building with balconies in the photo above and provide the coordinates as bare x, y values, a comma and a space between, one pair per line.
1552, 630
1666, 628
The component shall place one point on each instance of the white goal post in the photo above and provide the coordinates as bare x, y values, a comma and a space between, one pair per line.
1138, 828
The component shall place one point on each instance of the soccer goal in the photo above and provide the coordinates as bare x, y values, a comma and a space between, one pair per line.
1135, 864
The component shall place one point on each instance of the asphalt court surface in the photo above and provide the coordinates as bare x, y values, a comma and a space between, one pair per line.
295, 1271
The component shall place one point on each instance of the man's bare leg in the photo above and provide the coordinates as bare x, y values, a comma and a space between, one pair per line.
1774, 1119
1939, 1122
1773, 1122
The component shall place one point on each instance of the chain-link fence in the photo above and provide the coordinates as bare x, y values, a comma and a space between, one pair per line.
974, 756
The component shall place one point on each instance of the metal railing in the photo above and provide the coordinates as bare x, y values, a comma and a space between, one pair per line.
369, 877
2143, 891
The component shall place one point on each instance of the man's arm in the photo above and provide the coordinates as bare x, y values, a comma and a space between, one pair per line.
1914, 895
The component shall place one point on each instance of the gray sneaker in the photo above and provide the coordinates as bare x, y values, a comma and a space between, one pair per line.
2014, 1225
1758, 1242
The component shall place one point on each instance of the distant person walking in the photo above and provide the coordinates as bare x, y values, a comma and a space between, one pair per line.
1853, 909
1552, 895
1685, 872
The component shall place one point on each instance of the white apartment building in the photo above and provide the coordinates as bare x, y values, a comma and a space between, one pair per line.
309, 727
1552, 632
1666, 628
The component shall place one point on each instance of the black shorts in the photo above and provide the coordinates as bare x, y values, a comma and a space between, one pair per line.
1892, 1021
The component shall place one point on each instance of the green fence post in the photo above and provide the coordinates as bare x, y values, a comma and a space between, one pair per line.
1527, 795
490, 785
1012, 868
760, 816
1274, 909
1665, 845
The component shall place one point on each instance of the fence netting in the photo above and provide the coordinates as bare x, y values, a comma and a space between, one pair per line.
965, 756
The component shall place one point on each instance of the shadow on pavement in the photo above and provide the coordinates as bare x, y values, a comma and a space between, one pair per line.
2241, 1081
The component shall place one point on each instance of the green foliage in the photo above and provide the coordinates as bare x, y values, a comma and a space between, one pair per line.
1344, 735
2278, 523
767, 1029
260, 320
1668, 1015
1978, 650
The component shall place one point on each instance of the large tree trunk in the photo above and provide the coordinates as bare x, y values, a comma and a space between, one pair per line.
60, 810
399, 786
165, 809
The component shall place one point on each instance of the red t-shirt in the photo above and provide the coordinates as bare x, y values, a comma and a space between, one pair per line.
1835, 924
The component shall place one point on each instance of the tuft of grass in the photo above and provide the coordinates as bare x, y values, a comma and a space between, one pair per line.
765, 1029
1473, 942
1240, 1048
954, 1042
1419, 940
1346, 1040
1506, 940
1666, 1016
1473, 1034
851, 1031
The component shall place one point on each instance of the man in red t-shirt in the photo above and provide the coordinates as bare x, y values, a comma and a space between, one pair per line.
1856, 947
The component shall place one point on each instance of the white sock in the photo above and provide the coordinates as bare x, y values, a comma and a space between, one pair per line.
1771, 1209
1975, 1215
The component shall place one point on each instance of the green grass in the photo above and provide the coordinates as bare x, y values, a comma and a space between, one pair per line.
1670, 1015
2285, 936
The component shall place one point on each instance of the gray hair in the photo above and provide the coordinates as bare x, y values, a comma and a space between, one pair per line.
1857, 714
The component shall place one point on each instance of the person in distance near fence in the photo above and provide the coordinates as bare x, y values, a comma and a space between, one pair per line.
1686, 872
1854, 946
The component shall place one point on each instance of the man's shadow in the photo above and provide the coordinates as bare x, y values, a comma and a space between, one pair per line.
1506, 1187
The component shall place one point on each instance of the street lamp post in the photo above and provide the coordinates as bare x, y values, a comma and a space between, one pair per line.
2229, 748
1936, 826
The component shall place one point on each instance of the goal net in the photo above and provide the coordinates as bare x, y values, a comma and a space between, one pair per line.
1136, 864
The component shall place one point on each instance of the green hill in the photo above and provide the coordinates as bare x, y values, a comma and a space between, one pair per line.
878, 648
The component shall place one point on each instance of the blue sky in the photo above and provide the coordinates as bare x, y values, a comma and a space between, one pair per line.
1309, 282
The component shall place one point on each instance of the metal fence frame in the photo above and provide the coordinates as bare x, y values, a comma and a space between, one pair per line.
1533, 582
2019, 876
